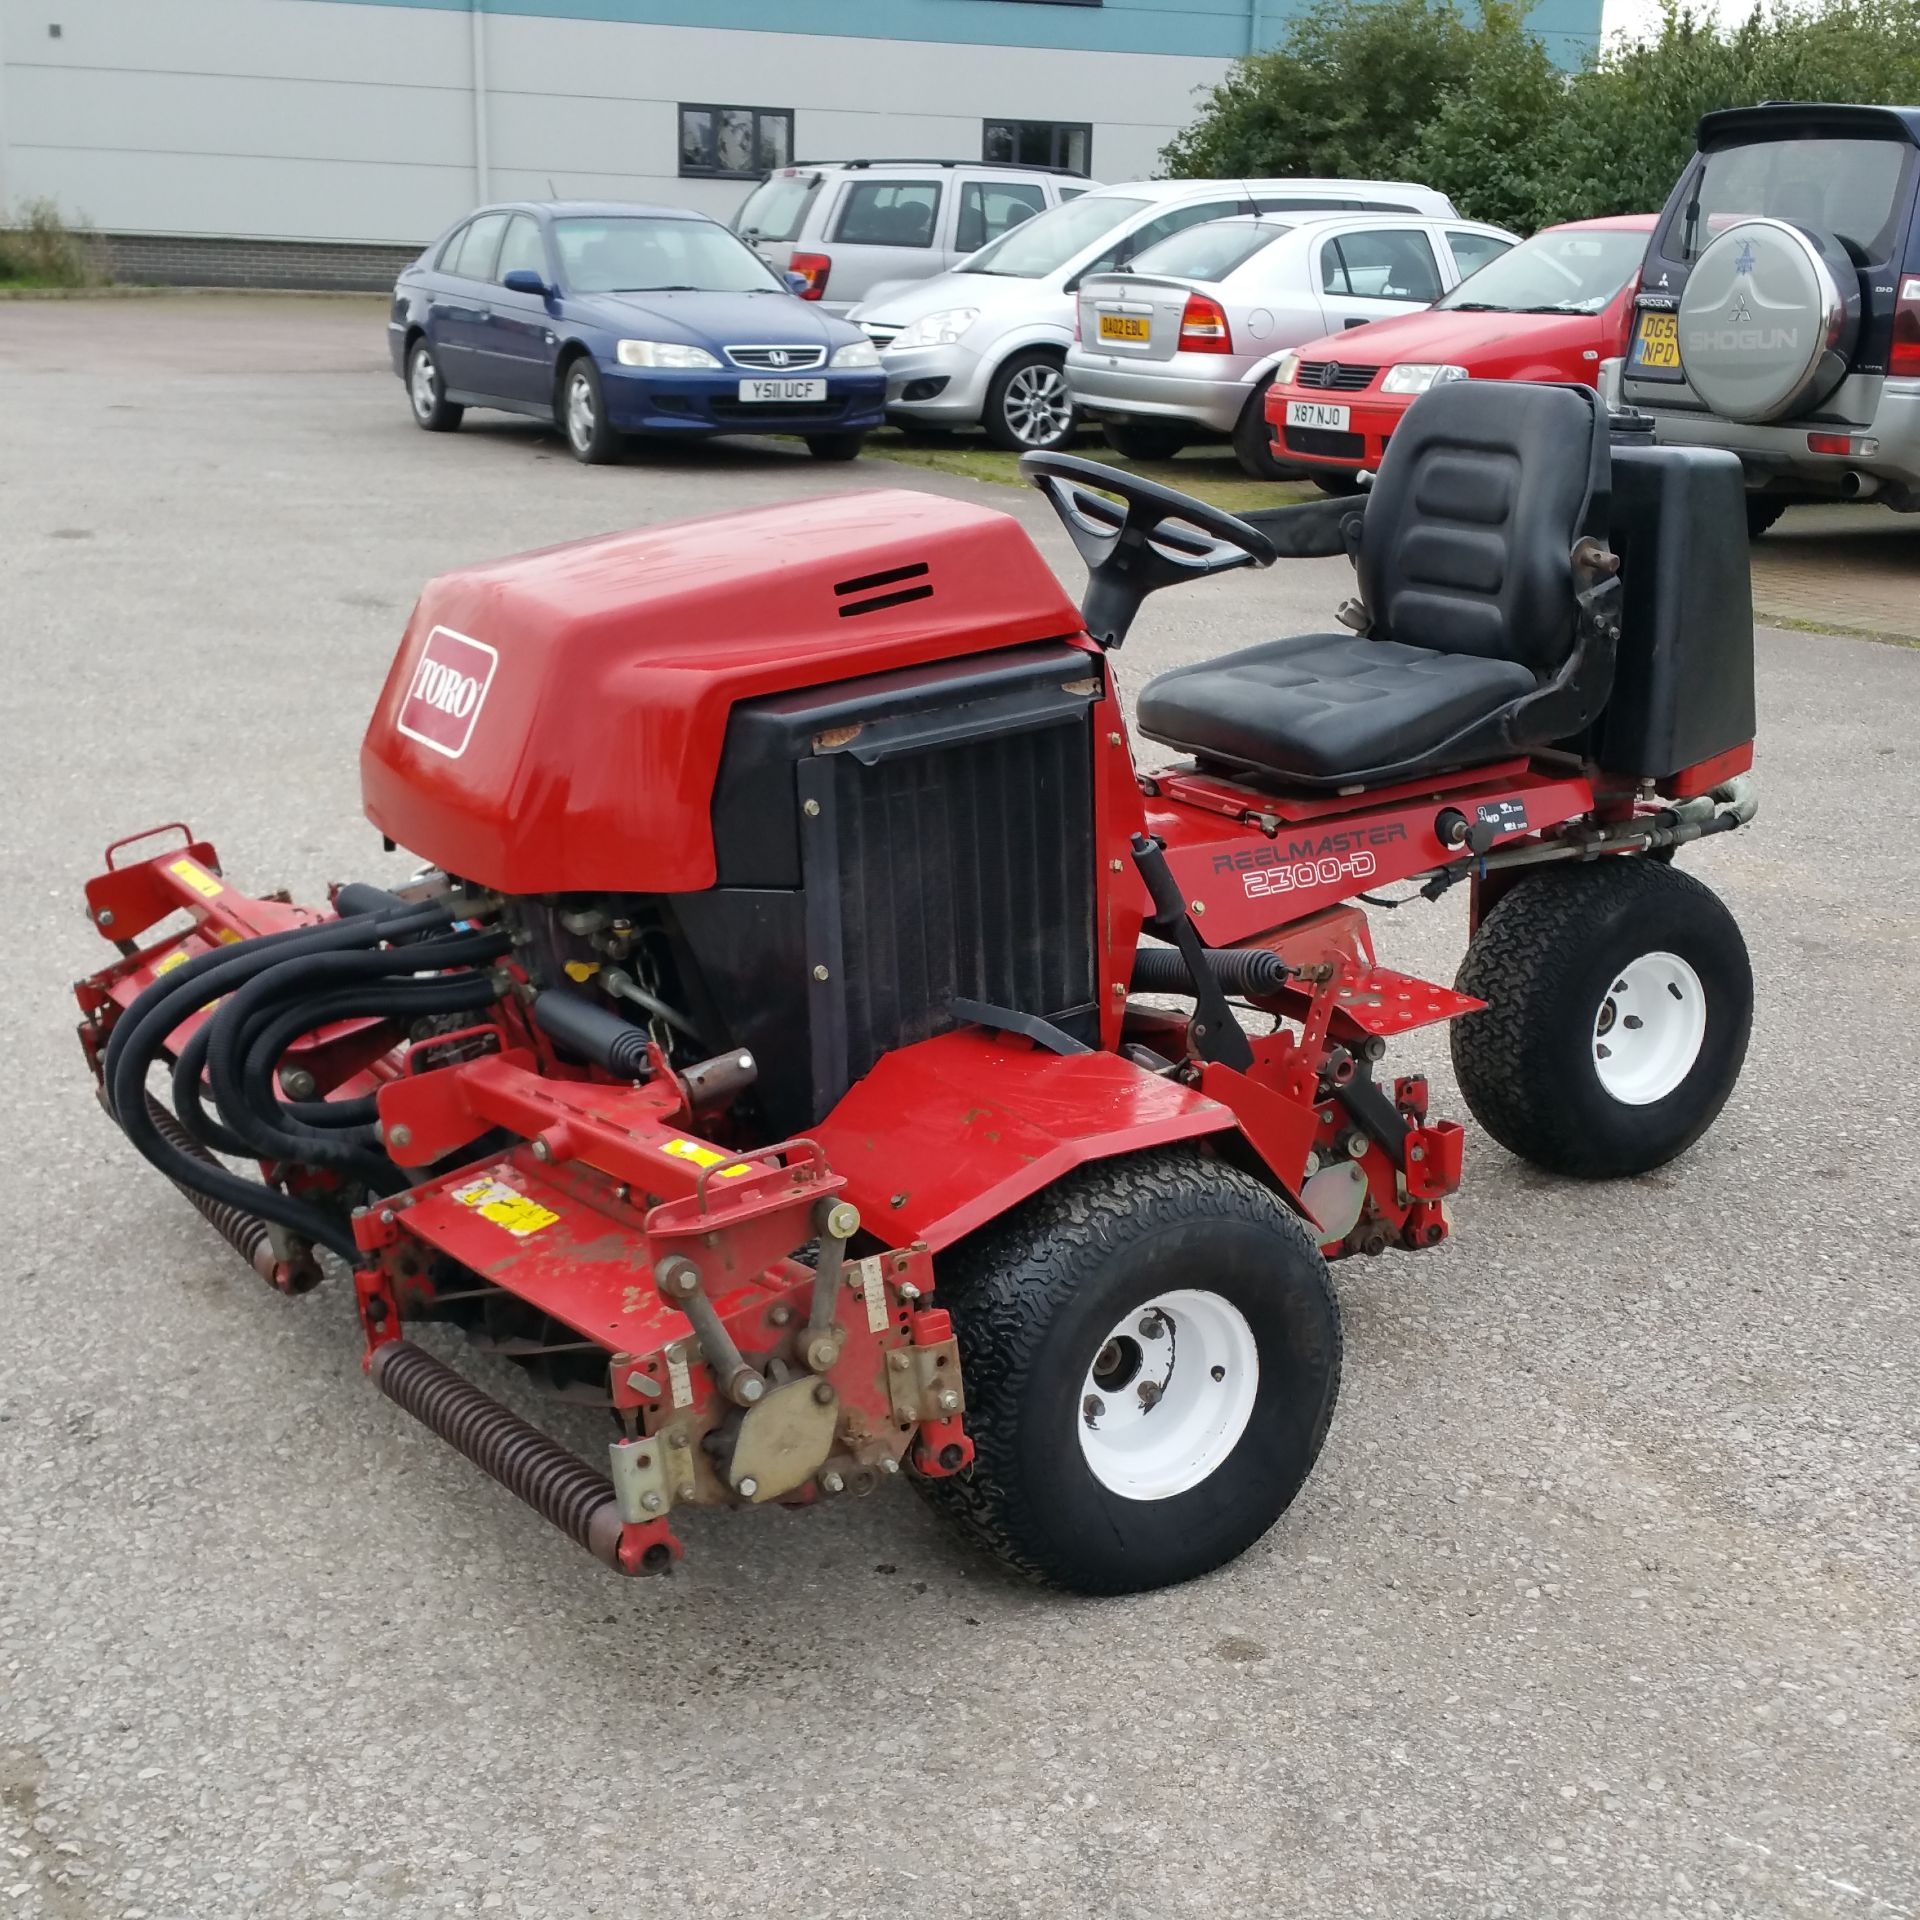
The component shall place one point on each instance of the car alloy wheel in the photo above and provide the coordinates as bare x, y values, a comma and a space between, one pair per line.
582, 415
423, 385
1037, 407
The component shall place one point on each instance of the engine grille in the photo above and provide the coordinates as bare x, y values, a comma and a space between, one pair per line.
882, 335
964, 874
777, 359
1335, 375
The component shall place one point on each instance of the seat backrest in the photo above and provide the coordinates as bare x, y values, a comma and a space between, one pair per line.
1469, 531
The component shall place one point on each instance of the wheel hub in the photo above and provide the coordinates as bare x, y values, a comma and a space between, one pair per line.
1168, 1395
1649, 1029
1037, 407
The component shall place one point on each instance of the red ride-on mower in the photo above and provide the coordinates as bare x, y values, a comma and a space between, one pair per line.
816, 1043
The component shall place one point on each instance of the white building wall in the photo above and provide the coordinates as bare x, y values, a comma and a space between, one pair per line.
298, 120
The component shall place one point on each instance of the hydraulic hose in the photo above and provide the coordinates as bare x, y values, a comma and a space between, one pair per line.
174, 995
141, 1031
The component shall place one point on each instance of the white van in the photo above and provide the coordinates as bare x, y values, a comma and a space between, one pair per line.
987, 342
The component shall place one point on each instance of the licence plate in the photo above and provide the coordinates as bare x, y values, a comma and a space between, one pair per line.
1317, 413
1657, 344
1125, 326
783, 390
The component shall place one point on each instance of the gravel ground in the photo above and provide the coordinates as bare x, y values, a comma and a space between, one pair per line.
1602, 1601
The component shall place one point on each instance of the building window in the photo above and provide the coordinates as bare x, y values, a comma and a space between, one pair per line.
734, 143
1039, 143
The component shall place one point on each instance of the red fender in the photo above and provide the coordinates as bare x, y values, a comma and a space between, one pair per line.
943, 1136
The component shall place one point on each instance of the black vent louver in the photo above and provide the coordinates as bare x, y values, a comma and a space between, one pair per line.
878, 602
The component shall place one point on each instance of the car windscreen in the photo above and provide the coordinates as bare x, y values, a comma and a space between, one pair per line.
632, 253
1572, 272
776, 207
1049, 240
1850, 188
1208, 252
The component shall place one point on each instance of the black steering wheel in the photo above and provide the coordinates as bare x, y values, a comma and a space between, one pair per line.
1156, 539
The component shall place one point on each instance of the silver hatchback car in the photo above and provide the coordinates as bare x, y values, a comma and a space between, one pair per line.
1184, 343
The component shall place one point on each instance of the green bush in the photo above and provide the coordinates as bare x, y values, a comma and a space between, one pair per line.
43, 251
1475, 106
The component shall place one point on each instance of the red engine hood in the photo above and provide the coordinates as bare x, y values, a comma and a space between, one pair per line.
553, 722
1491, 346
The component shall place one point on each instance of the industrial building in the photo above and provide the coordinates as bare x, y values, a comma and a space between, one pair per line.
320, 142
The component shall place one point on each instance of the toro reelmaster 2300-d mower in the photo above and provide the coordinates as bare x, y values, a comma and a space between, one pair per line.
815, 1042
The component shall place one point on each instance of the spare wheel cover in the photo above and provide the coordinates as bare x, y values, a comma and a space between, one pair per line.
1768, 319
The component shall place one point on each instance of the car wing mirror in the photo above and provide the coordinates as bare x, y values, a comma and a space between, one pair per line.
525, 280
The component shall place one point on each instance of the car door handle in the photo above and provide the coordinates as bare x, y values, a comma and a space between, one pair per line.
1353, 320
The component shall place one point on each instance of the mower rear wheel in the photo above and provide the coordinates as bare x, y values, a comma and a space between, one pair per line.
1619, 1002
1151, 1350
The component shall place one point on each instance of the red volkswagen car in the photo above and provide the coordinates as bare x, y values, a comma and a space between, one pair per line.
1552, 308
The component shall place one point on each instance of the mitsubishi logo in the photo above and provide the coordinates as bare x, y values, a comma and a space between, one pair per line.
1741, 313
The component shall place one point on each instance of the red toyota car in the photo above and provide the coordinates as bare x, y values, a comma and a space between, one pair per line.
1552, 308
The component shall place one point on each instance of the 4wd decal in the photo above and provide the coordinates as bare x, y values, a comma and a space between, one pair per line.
449, 687
1503, 816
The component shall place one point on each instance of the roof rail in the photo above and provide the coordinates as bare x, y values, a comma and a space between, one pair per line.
924, 160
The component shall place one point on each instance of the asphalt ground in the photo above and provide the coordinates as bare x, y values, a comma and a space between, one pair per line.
1602, 1600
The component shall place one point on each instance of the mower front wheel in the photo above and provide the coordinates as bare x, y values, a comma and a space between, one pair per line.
1151, 1351
1619, 1002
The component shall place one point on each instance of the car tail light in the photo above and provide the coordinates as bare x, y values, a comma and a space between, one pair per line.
1203, 327
1859, 446
1906, 328
816, 266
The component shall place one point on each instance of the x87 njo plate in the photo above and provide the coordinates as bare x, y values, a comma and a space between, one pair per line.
777, 390
1317, 413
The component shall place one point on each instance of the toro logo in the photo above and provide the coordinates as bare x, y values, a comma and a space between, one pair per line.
449, 687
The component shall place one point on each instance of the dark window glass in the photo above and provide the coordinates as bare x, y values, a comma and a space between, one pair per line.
642, 253
989, 207
734, 142
1577, 270
775, 209
1131, 245
1472, 251
888, 213
1037, 143
521, 249
475, 259
1848, 188
1381, 265
1209, 252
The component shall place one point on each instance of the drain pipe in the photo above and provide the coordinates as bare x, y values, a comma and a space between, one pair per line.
482, 170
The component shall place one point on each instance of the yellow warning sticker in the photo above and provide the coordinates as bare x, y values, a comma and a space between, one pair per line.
702, 1156
177, 958
227, 937
496, 1201
196, 876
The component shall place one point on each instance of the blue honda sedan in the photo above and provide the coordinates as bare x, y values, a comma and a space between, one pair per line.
611, 320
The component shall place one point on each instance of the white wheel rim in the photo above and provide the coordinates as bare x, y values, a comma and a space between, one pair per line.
1168, 1394
423, 384
1649, 1029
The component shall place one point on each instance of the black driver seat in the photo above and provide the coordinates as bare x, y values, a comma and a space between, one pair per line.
1481, 632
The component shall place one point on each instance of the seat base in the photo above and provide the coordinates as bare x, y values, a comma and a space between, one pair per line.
1331, 709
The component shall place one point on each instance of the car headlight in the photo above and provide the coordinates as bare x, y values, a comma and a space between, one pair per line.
1416, 377
662, 353
1287, 371
938, 329
856, 353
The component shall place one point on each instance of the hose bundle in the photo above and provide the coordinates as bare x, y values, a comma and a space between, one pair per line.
390, 961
